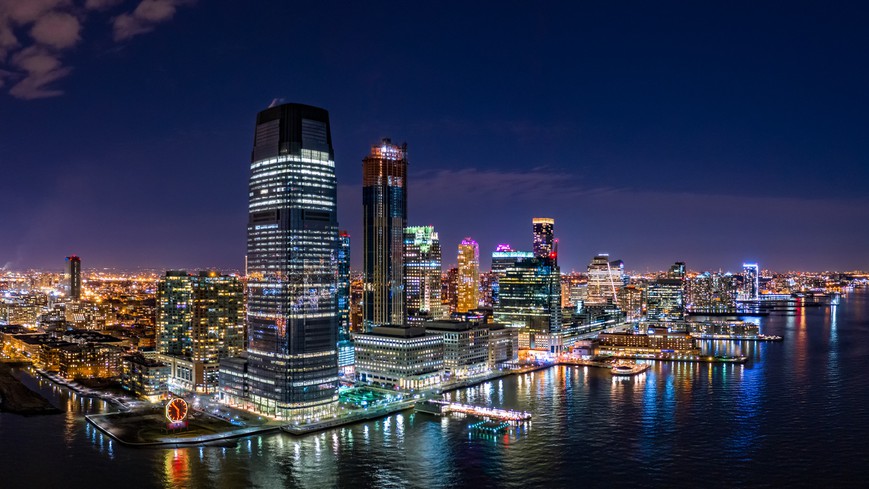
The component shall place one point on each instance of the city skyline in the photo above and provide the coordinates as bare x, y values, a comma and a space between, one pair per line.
745, 138
392, 244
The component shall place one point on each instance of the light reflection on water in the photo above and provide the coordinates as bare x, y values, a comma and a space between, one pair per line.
730, 425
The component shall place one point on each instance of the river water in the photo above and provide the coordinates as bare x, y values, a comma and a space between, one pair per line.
797, 414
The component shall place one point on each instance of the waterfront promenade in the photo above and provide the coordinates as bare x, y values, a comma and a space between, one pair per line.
141, 428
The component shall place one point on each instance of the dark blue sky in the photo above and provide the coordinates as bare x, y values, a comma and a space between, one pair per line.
655, 132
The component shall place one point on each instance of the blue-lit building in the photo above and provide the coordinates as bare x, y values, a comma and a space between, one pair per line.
422, 273
384, 209
750, 282
503, 258
343, 286
529, 296
346, 351
293, 255
665, 297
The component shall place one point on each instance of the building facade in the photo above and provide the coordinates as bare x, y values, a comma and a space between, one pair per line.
466, 347
544, 237
292, 250
384, 209
530, 296
73, 277
397, 357
422, 273
200, 319
468, 276
343, 291
603, 281
750, 282
503, 258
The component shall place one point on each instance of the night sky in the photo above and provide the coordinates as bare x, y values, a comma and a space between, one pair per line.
655, 132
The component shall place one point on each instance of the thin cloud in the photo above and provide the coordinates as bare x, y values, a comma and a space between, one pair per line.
145, 17
35, 35
56, 30
101, 4
42, 68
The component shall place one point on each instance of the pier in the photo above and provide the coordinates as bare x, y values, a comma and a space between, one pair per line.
446, 407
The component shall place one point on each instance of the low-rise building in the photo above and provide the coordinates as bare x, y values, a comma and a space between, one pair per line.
233, 382
187, 376
658, 340
145, 378
90, 361
466, 347
399, 357
503, 346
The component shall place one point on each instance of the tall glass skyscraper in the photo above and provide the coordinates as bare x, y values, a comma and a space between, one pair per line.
384, 207
469, 275
422, 273
544, 237
503, 258
530, 296
292, 250
750, 282
73, 277
343, 286
603, 281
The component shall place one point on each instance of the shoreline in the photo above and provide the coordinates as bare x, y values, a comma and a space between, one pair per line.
301, 430
17, 398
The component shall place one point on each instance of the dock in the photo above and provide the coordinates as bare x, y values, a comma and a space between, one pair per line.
444, 407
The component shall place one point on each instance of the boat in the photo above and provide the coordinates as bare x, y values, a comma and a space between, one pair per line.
625, 368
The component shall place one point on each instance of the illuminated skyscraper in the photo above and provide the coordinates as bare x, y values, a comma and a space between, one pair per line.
530, 296
343, 286
603, 281
503, 258
450, 290
384, 206
712, 292
174, 313
750, 282
469, 275
665, 296
292, 264
200, 319
73, 277
544, 238
422, 273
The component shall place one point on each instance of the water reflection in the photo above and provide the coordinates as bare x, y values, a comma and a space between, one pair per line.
718, 425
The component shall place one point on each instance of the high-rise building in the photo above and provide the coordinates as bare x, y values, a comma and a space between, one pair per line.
200, 319
450, 290
665, 297
343, 286
384, 207
73, 277
469, 275
487, 289
544, 238
292, 264
422, 273
603, 281
530, 296
712, 292
174, 314
503, 258
346, 350
750, 282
